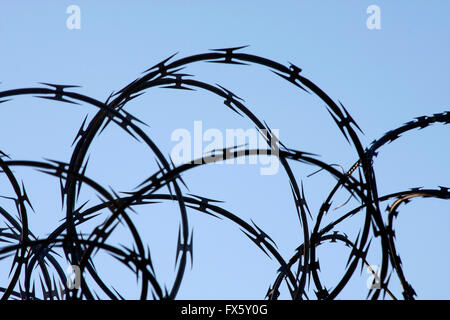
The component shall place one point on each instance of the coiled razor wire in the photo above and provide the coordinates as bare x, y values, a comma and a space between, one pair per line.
31, 254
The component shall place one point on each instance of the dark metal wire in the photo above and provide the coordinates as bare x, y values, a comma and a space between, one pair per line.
31, 253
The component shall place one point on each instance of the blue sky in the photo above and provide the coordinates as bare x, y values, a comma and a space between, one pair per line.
384, 78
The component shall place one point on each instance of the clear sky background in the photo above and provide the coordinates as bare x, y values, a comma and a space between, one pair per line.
384, 78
